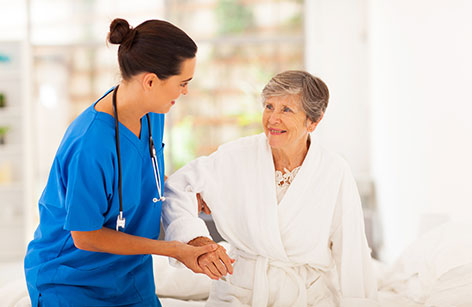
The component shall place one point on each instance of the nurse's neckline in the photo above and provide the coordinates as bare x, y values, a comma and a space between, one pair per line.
105, 105
141, 144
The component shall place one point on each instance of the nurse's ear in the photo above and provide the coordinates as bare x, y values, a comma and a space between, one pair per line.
150, 80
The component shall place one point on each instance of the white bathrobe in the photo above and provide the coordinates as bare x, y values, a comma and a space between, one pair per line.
309, 250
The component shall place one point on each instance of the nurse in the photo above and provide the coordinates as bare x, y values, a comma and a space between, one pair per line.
77, 256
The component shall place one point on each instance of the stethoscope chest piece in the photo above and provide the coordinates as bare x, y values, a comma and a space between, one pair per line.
120, 221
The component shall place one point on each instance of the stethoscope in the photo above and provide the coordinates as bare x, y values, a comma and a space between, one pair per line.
120, 220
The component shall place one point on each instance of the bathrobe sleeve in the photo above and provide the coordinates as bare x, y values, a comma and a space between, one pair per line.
180, 212
350, 249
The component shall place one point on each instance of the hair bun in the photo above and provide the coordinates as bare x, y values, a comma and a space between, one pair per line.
120, 30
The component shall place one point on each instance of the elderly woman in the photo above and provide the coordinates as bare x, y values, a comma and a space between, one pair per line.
288, 207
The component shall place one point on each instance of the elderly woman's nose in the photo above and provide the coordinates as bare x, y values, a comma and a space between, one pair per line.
274, 117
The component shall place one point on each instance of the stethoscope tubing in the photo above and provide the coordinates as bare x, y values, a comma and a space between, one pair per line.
121, 221
117, 142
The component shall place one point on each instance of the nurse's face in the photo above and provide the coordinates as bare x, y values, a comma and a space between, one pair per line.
167, 91
285, 123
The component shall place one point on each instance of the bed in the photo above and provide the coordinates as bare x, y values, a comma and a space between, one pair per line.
434, 271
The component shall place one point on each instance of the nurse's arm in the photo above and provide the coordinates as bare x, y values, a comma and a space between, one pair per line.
106, 240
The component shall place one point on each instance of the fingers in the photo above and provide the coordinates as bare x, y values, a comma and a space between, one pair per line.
219, 263
207, 271
220, 266
225, 259
213, 265
213, 261
227, 262
205, 249
190, 257
214, 270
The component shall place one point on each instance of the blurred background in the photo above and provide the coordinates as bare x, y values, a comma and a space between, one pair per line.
399, 74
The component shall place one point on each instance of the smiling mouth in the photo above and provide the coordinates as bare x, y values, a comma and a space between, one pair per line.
276, 131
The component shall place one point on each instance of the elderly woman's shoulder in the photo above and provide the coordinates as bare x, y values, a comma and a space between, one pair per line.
335, 160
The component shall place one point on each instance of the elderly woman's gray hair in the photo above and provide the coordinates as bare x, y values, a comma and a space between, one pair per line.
313, 92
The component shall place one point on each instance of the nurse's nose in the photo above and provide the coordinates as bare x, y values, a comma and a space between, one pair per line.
185, 90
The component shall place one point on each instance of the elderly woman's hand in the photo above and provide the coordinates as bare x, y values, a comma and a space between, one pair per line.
202, 206
215, 264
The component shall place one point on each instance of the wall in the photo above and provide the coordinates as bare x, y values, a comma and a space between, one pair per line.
399, 75
421, 105
336, 51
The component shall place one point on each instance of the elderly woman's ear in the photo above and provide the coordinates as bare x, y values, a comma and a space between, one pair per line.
312, 125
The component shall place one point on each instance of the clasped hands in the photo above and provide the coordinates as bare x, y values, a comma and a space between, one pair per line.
216, 263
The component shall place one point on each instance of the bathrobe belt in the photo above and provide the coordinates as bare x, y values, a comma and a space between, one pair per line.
260, 293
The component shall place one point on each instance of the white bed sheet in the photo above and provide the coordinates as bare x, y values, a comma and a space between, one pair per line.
436, 270
188, 289
13, 292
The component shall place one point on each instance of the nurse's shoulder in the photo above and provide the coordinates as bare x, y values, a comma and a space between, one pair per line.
92, 133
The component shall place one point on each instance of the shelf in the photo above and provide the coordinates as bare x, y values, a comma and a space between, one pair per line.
15, 190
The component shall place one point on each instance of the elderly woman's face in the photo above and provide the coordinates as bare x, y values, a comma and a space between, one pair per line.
285, 123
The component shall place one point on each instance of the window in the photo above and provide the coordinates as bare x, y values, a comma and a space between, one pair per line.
241, 45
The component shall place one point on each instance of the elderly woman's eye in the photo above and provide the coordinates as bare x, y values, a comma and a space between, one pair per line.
286, 109
268, 106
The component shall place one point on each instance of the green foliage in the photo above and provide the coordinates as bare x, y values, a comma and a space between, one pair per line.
233, 16
295, 22
2, 100
4, 130
246, 119
184, 142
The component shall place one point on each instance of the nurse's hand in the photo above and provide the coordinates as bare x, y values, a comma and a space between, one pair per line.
215, 264
188, 255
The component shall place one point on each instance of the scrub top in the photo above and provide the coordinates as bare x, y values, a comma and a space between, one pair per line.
82, 195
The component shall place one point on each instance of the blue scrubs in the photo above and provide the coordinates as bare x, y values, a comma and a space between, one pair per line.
82, 195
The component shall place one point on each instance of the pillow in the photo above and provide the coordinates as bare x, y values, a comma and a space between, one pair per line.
15, 294
453, 288
180, 282
418, 270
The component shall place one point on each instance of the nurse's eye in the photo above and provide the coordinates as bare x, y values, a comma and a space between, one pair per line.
184, 84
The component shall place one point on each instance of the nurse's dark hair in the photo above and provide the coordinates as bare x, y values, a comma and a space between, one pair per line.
155, 46
312, 91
